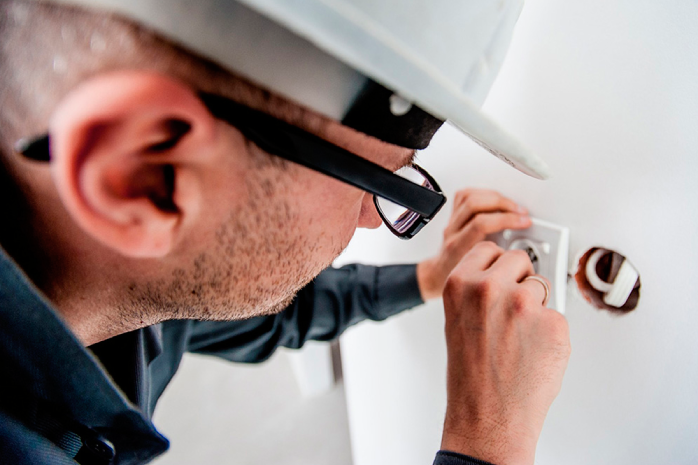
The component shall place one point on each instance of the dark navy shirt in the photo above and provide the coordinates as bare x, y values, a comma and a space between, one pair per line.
62, 403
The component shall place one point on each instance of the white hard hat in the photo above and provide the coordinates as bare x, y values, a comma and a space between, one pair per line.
394, 69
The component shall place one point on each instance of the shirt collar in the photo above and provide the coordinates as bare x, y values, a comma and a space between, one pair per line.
44, 363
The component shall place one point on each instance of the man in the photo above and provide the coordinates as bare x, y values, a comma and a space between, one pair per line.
157, 203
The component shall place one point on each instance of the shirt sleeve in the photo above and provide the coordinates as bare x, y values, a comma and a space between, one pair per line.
446, 457
335, 300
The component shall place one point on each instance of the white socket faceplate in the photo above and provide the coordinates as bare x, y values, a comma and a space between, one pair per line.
548, 246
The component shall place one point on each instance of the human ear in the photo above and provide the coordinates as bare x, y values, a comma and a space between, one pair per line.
126, 150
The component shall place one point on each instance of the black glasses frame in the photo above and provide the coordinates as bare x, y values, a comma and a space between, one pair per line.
417, 225
294, 144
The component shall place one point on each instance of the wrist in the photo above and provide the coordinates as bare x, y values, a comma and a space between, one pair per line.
490, 442
488, 451
427, 280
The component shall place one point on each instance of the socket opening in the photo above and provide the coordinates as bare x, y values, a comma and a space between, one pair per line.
530, 248
608, 281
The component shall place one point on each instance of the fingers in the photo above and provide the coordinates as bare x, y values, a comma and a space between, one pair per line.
466, 195
539, 287
477, 214
502, 343
514, 265
471, 202
481, 257
483, 225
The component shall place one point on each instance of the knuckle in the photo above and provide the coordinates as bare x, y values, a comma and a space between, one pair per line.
455, 283
461, 196
456, 295
478, 224
522, 302
520, 255
487, 246
446, 235
471, 203
451, 246
522, 258
504, 200
477, 293
485, 290
463, 193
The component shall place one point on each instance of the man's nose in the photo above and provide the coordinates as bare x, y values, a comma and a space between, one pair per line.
369, 217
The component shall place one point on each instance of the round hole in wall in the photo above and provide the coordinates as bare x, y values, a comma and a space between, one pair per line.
608, 281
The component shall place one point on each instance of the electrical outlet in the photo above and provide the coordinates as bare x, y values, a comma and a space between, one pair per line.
547, 245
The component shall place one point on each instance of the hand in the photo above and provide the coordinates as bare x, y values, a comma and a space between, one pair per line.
476, 213
507, 355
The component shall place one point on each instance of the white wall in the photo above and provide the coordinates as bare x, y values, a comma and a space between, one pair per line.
219, 413
607, 93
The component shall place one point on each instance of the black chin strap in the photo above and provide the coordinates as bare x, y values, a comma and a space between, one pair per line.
377, 111
380, 113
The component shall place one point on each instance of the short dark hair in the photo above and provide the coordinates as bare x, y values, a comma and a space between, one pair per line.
47, 49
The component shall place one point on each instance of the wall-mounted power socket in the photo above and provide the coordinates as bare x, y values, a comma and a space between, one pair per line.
547, 246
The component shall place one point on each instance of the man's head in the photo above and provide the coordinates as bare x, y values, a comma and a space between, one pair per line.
152, 208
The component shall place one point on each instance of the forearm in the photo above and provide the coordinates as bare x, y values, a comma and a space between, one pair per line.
335, 300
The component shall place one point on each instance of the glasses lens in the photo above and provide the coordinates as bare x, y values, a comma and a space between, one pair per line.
400, 218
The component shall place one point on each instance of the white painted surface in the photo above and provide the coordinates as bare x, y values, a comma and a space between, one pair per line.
607, 93
312, 368
219, 413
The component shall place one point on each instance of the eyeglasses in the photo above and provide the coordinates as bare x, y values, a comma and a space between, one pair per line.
406, 200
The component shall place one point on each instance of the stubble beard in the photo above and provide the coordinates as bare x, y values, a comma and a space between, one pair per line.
261, 258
